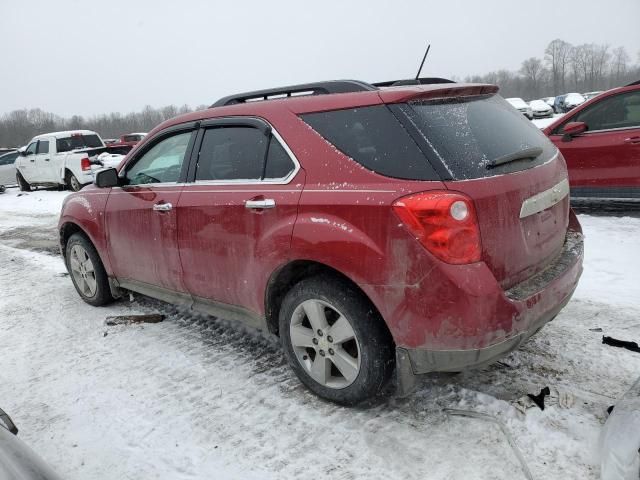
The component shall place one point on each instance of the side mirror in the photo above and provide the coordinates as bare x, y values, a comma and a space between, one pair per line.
24, 153
573, 129
107, 178
8, 423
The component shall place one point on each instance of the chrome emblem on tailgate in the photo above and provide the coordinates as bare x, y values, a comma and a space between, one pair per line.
544, 200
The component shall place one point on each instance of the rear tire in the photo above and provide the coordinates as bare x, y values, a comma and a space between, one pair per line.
86, 271
72, 182
22, 183
335, 341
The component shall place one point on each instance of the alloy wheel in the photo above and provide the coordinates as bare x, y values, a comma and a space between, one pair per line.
325, 344
83, 271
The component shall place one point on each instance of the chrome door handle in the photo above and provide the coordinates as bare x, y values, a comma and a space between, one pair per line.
162, 207
266, 203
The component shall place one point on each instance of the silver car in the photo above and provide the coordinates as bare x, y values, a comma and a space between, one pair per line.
8, 169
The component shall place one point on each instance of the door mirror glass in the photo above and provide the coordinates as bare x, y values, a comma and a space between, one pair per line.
572, 129
107, 178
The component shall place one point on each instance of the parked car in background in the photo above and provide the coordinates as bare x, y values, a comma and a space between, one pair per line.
572, 100
7, 168
600, 141
549, 101
522, 106
110, 141
590, 95
558, 104
540, 109
131, 139
424, 226
59, 158
17, 460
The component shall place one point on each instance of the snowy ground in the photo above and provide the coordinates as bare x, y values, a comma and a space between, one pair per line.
197, 397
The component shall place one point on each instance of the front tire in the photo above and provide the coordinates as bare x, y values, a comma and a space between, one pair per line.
335, 341
22, 183
72, 182
86, 271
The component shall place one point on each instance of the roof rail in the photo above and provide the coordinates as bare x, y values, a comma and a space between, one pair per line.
413, 81
318, 88
637, 82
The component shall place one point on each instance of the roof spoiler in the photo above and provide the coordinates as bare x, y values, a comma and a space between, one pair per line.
413, 81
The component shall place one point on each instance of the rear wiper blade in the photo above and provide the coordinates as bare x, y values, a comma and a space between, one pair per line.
530, 153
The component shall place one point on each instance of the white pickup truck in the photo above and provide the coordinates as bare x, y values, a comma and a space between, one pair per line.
62, 158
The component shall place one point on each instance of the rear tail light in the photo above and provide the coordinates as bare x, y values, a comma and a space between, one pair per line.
444, 222
85, 164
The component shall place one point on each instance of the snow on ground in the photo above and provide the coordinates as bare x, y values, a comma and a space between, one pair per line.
545, 122
197, 397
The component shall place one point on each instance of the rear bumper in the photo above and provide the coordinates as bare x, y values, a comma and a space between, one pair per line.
495, 325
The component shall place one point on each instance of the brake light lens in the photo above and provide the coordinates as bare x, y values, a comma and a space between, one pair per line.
85, 164
445, 223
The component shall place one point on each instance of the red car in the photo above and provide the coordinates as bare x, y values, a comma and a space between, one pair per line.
417, 227
600, 141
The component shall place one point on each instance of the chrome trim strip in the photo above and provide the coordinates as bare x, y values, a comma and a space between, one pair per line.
544, 200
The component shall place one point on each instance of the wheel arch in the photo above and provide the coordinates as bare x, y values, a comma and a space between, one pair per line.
289, 274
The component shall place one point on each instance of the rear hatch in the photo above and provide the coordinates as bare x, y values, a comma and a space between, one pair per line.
522, 203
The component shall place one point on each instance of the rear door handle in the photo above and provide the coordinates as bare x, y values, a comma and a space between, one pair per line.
162, 207
632, 140
266, 203
46, 159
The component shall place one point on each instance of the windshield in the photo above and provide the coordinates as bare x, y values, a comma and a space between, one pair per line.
467, 134
76, 142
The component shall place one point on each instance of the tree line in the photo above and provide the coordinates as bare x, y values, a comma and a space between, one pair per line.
563, 68
20, 126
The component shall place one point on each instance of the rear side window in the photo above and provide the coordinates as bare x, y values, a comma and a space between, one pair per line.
239, 153
373, 137
466, 134
279, 164
43, 146
231, 153
77, 142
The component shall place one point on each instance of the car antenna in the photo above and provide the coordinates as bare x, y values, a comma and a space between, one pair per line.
423, 59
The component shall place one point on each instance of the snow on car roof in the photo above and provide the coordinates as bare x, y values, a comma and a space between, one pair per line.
65, 134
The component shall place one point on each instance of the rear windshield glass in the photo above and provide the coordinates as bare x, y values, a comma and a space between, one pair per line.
76, 142
467, 134
373, 137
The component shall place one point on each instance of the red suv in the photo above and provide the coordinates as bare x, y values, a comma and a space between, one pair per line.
418, 227
600, 141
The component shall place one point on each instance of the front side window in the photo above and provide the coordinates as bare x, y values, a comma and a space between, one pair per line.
31, 149
617, 111
162, 163
43, 146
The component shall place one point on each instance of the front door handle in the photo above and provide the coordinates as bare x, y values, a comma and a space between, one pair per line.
46, 159
259, 204
632, 140
162, 207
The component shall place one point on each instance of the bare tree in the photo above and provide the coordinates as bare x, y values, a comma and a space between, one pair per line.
532, 70
557, 57
619, 65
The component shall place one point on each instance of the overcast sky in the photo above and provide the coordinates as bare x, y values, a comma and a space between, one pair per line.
87, 57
